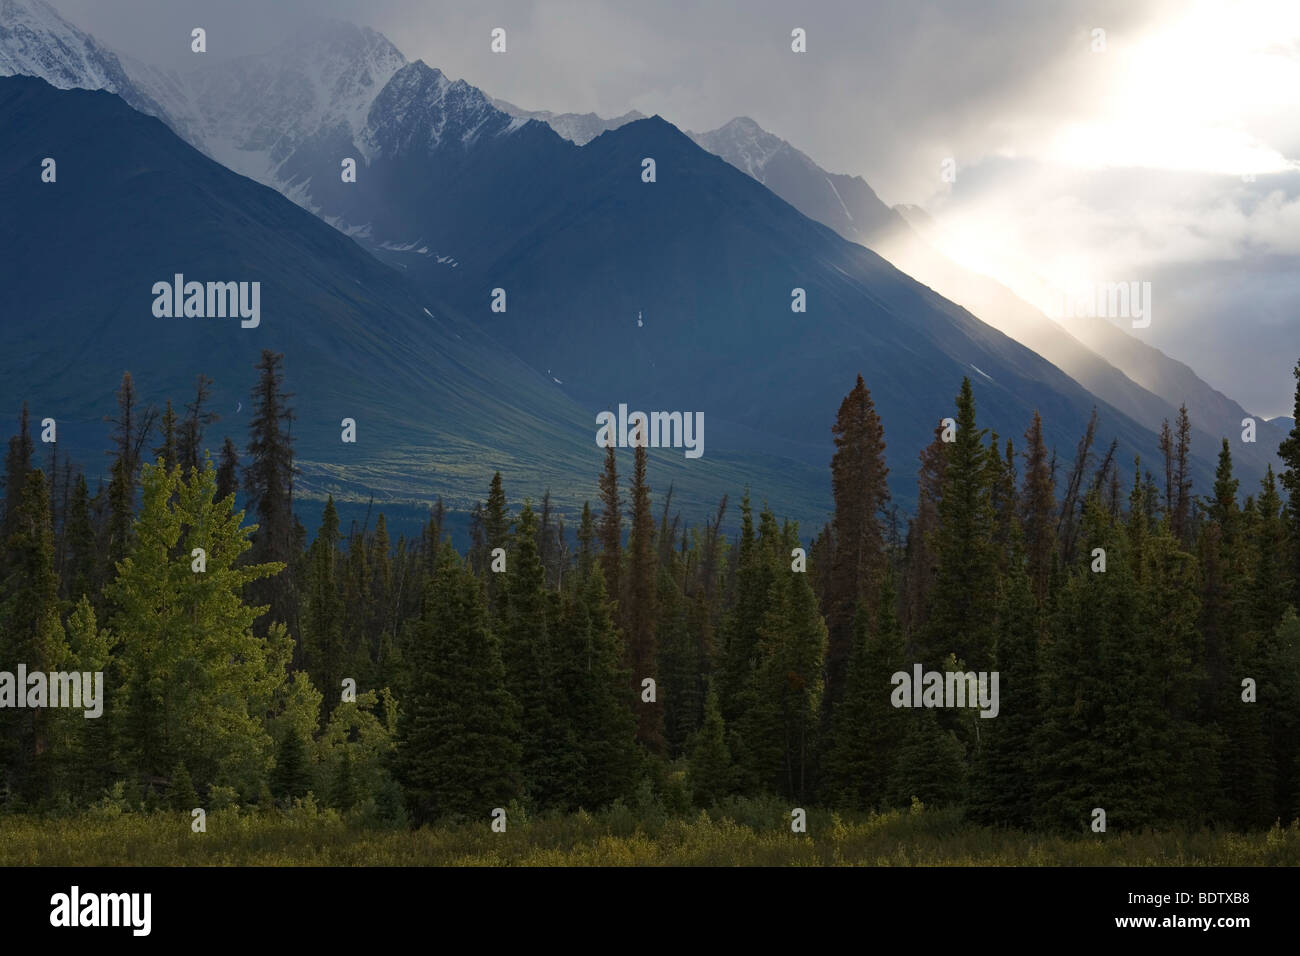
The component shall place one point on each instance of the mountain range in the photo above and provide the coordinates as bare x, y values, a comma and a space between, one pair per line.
667, 295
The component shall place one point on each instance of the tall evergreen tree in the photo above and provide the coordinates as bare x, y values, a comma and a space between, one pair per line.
711, 774
858, 483
30, 634
322, 643
228, 470
189, 437
131, 431
1003, 784
963, 611
757, 568
1279, 704
268, 484
551, 759
1181, 518
18, 463
931, 763
867, 728
1038, 514
586, 542
783, 723
1289, 452
919, 561
1270, 567
457, 746
291, 778
593, 697
81, 568
610, 528
167, 428
638, 610
496, 529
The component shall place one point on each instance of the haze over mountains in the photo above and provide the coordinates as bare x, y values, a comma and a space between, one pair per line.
672, 295
1137, 378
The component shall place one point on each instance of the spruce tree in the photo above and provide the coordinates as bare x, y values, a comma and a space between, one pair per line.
323, 649
344, 790
496, 529
291, 777
710, 773
610, 528
919, 559
638, 610
132, 428
1270, 567
756, 573
1181, 524
167, 428
1003, 782
1039, 511
18, 463
31, 634
180, 791
930, 765
680, 665
781, 726
228, 470
189, 437
551, 759
867, 728
592, 693
1003, 499
1279, 704
1289, 452
458, 730
858, 483
963, 607
379, 559
81, 575
268, 485
586, 542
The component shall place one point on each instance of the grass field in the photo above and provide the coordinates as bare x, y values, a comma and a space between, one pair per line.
744, 833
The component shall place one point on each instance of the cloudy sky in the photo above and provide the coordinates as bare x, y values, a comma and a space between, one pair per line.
1165, 148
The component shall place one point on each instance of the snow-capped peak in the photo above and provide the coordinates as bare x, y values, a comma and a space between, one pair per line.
256, 110
744, 144
421, 108
36, 41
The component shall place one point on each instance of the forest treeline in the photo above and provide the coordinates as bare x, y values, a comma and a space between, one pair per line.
556, 669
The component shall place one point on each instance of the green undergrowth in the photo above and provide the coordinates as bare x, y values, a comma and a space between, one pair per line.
738, 833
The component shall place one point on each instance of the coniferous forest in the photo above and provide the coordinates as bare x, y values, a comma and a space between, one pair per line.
627, 665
